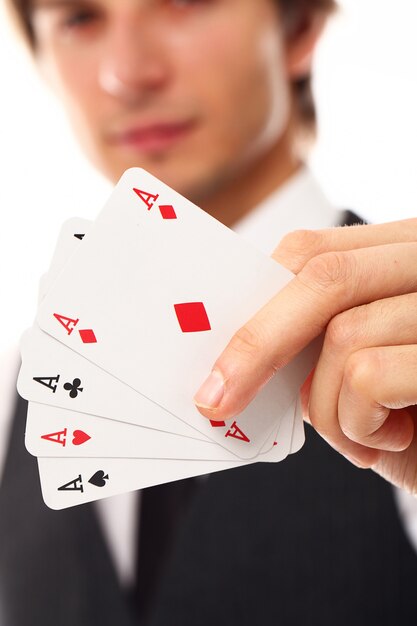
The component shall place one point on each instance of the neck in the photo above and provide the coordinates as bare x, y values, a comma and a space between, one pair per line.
248, 188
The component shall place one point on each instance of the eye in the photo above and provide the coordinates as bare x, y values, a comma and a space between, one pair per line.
79, 19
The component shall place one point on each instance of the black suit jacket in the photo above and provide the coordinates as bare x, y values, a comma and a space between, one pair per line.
311, 541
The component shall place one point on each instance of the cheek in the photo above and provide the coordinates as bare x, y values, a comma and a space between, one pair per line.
76, 89
239, 79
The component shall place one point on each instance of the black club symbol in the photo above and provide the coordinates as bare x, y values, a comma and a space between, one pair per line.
74, 387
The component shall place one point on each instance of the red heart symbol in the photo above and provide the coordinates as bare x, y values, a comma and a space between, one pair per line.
80, 437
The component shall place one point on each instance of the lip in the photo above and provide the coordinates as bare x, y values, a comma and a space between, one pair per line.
153, 137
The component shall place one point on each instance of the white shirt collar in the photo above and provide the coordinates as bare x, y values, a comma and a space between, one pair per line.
299, 204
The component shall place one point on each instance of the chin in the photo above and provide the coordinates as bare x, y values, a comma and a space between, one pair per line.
188, 175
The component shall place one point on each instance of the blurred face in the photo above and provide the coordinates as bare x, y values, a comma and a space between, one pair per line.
194, 91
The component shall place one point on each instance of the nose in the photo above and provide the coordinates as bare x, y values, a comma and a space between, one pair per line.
133, 62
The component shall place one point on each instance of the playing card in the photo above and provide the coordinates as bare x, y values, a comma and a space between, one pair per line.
70, 440
55, 432
40, 352
71, 234
53, 374
154, 294
67, 482
41, 432
283, 438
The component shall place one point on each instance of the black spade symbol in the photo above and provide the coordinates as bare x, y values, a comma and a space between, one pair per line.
99, 479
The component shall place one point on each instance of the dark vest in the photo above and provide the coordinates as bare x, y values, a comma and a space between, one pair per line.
312, 541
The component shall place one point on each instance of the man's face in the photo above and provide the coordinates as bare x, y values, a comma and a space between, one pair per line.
191, 90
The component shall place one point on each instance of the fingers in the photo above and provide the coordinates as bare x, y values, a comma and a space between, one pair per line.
382, 323
327, 285
400, 468
298, 247
305, 395
375, 381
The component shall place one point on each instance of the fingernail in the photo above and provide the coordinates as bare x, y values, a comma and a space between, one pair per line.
211, 391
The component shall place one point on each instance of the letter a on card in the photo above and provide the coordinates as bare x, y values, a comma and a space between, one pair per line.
48, 381
58, 437
73, 485
237, 433
148, 198
67, 322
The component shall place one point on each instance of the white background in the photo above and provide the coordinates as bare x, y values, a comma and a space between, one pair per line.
365, 156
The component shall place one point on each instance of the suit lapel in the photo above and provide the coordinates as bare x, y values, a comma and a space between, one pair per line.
351, 219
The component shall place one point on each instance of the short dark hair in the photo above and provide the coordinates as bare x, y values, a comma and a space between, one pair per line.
293, 12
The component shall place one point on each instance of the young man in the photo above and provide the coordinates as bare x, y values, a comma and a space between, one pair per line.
213, 97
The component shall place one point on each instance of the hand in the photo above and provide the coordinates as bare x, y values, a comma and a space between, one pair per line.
359, 285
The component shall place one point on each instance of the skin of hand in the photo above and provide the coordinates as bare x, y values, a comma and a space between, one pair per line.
358, 287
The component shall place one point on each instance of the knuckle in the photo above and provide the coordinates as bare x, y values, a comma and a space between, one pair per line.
347, 329
248, 340
331, 270
297, 247
360, 370
350, 430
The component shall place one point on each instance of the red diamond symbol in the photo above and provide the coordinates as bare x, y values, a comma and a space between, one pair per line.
167, 212
192, 317
216, 424
88, 336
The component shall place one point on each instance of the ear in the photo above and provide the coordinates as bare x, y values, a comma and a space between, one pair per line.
301, 44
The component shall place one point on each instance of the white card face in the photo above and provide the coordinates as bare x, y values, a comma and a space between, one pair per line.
298, 437
65, 482
282, 439
50, 373
43, 286
40, 351
154, 301
55, 432
71, 234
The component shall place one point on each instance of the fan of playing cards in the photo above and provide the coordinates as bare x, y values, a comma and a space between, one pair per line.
134, 311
